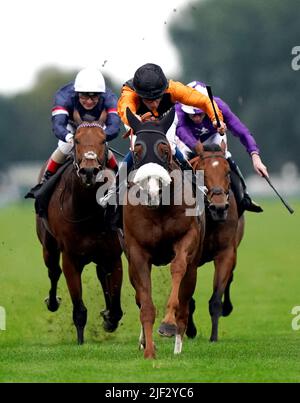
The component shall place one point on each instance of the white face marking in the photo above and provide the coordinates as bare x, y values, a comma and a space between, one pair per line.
90, 155
215, 164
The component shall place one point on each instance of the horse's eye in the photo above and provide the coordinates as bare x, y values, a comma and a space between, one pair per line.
76, 141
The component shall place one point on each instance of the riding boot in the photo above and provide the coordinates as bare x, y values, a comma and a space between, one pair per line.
111, 201
31, 194
47, 175
239, 189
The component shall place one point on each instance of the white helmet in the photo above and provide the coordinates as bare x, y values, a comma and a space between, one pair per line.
190, 109
89, 80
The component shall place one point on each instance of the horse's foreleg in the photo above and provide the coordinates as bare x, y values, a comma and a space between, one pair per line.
186, 291
168, 326
72, 271
178, 270
111, 284
191, 330
227, 305
140, 277
51, 255
224, 264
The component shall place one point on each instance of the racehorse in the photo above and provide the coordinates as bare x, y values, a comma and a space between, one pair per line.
75, 228
155, 233
223, 234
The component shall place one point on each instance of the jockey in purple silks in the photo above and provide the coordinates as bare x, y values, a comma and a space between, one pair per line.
194, 127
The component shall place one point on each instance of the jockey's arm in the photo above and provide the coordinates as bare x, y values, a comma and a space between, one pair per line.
61, 110
190, 96
183, 131
238, 129
112, 122
129, 99
60, 119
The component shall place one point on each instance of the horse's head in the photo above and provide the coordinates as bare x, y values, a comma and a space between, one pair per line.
90, 151
216, 169
152, 155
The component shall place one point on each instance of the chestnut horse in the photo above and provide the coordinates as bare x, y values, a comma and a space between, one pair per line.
75, 229
224, 232
159, 233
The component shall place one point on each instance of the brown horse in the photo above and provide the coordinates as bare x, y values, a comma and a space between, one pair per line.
224, 232
158, 233
75, 229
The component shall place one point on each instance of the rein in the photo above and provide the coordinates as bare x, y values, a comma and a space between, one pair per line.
216, 190
90, 155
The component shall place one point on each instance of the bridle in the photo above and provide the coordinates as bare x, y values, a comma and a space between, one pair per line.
215, 190
90, 155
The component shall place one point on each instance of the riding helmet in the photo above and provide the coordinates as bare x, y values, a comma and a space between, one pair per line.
89, 80
149, 81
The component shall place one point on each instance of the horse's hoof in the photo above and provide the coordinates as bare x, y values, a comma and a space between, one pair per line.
167, 330
150, 352
108, 324
53, 306
191, 331
227, 309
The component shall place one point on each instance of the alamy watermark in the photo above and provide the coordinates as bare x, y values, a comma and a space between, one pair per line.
296, 319
152, 189
296, 60
2, 318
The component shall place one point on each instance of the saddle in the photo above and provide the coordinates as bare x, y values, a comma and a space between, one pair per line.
42, 192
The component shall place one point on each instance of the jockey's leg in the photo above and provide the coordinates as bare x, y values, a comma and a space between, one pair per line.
113, 213
58, 157
240, 190
112, 162
120, 182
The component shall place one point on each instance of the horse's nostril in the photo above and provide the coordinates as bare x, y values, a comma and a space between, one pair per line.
82, 171
226, 206
96, 171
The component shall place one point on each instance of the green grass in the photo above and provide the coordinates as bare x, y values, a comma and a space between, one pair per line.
257, 343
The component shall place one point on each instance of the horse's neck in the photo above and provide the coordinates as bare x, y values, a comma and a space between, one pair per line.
82, 198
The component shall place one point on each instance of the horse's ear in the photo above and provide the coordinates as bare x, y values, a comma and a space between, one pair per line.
133, 121
223, 146
167, 120
76, 117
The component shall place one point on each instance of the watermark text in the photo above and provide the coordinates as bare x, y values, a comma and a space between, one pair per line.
2, 318
296, 319
296, 60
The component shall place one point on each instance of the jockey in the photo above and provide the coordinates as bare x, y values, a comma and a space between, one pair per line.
194, 127
90, 97
149, 92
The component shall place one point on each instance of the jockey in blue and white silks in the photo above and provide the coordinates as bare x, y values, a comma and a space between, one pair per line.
89, 96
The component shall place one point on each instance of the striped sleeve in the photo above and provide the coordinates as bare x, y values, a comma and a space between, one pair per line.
112, 110
59, 110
